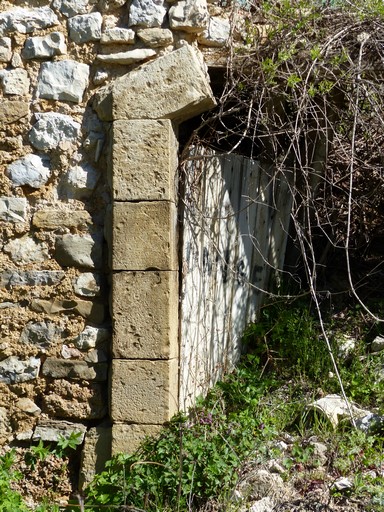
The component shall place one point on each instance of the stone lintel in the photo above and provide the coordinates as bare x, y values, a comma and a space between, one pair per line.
127, 438
175, 86
144, 236
145, 315
144, 160
144, 391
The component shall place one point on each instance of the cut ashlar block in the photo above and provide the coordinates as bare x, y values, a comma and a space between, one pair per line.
144, 160
145, 315
143, 391
144, 236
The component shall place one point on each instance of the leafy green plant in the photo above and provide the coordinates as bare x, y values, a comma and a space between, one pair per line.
10, 500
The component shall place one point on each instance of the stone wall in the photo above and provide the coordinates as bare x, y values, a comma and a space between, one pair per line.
91, 95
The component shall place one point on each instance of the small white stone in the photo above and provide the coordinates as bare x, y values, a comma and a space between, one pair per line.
54, 131
15, 81
85, 27
100, 77
16, 61
118, 35
147, 13
217, 33
377, 344
63, 80
87, 285
5, 49
91, 336
42, 47
127, 57
81, 181
29, 170
70, 352
26, 250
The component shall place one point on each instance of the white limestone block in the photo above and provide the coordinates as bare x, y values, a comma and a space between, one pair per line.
43, 47
71, 7
189, 16
54, 130
13, 370
81, 181
26, 250
217, 33
147, 13
127, 57
32, 170
24, 20
87, 284
5, 49
118, 35
85, 27
63, 80
13, 209
15, 81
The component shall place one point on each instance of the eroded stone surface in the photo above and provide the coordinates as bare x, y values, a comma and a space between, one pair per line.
25, 20
145, 315
53, 131
152, 236
96, 452
46, 46
127, 438
63, 80
32, 170
144, 391
144, 160
85, 27
147, 13
189, 16
175, 86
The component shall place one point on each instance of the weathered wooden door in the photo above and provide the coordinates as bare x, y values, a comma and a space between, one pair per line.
233, 241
